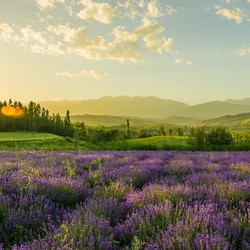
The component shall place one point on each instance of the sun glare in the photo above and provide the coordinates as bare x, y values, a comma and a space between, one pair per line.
10, 111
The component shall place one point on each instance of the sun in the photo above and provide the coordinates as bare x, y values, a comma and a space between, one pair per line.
11, 111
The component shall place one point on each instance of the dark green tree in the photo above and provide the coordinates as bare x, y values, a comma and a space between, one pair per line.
218, 138
180, 132
127, 135
34, 118
198, 139
170, 132
162, 130
80, 130
67, 121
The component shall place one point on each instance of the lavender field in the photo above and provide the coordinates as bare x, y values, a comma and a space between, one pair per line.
124, 200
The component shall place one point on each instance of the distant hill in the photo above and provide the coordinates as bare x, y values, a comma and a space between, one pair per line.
245, 101
213, 109
240, 120
108, 120
145, 107
168, 111
179, 120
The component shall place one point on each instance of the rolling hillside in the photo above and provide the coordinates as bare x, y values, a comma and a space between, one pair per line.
108, 120
242, 120
26, 136
179, 120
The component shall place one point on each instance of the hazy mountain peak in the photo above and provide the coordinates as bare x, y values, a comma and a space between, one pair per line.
245, 101
148, 107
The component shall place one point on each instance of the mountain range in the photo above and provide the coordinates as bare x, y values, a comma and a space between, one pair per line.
149, 107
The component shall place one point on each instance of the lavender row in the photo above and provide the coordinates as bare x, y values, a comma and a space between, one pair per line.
124, 200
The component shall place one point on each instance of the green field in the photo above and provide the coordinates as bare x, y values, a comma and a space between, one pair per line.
46, 141
160, 141
26, 136
149, 143
34, 141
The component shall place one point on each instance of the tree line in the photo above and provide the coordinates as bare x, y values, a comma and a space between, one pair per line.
35, 119
39, 119
216, 138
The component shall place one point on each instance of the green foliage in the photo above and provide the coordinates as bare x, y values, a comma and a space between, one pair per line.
127, 135
3, 212
170, 132
198, 141
67, 121
216, 139
35, 119
80, 130
162, 131
18, 233
116, 190
101, 134
180, 132
137, 244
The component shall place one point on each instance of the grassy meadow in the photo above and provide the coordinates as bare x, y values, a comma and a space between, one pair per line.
33, 141
47, 141
161, 141
26, 136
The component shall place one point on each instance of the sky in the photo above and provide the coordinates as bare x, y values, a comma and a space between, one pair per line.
190, 51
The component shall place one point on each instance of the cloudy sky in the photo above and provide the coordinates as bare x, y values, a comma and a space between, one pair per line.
191, 51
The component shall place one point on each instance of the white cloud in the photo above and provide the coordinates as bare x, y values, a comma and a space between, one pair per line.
226, 1
28, 35
67, 32
121, 35
95, 74
181, 61
121, 52
51, 49
81, 40
236, 14
47, 4
6, 32
100, 12
97, 48
149, 30
57, 49
170, 10
244, 52
120, 44
178, 61
149, 27
128, 9
62, 39
153, 9
65, 74
125, 45
142, 9
159, 45
141, 3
